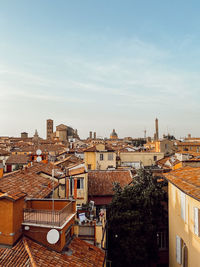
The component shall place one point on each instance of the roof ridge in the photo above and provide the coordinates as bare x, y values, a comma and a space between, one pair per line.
26, 246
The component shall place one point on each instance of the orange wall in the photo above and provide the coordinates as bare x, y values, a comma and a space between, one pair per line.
18, 207
46, 205
40, 234
6, 221
1, 172
11, 217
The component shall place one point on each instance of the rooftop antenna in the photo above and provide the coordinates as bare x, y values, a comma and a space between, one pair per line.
145, 133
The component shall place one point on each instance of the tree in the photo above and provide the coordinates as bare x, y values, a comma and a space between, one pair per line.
134, 217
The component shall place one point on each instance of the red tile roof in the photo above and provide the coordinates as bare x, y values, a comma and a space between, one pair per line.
26, 252
15, 256
186, 179
17, 159
4, 152
94, 149
28, 181
100, 183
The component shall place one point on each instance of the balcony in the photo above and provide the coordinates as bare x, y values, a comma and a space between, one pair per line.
48, 213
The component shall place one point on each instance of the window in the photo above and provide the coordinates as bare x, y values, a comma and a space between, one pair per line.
80, 183
162, 240
154, 158
196, 221
101, 156
182, 196
89, 166
110, 156
178, 250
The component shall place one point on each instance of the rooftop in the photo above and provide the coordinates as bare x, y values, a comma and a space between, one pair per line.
100, 183
29, 182
17, 159
29, 253
187, 179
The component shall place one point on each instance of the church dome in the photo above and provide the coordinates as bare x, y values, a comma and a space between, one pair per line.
113, 135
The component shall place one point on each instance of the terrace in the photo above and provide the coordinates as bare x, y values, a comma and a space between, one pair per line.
47, 212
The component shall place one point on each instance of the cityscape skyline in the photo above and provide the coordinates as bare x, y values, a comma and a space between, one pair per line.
98, 66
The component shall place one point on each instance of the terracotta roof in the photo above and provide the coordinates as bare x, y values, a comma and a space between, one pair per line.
26, 252
17, 159
94, 149
4, 152
188, 143
71, 160
15, 256
45, 148
100, 183
28, 181
186, 179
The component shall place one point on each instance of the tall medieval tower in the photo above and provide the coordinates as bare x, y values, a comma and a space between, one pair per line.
49, 128
156, 126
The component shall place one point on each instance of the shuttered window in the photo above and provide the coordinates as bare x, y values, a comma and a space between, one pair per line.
196, 221
182, 196
178, 250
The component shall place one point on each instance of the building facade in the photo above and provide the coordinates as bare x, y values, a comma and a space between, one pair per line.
184, 217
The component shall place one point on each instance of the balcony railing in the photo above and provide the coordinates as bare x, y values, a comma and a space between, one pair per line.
48, 217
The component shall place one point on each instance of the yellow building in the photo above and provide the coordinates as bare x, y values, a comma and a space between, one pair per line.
136, 159
166, 146
189, 146
99, 157
184, 217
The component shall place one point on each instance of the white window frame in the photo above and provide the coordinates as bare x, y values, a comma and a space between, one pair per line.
178, 249
81, 183
196, 221
183, 205
101, 156
110, 156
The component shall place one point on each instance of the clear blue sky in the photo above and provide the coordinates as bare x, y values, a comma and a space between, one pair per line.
100, 64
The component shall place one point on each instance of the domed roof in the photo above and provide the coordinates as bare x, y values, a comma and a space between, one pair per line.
113, 134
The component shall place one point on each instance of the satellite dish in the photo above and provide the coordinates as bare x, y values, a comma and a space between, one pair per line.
39, 159
53, 236
38, 152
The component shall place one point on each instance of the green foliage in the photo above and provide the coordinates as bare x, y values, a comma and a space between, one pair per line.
134, 217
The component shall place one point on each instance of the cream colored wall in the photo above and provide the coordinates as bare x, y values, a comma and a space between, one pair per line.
100, 147
84, 191
103, 164
62, 135
165, 146
185, 230
80, 192
147, 158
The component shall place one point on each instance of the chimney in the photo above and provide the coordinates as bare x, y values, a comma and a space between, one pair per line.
95, 135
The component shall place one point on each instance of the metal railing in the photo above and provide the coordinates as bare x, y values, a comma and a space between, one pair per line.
49, 217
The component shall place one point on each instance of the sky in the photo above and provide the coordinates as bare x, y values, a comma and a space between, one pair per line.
98, 65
